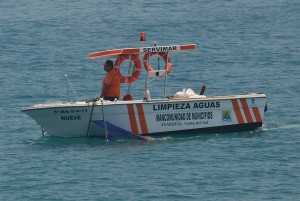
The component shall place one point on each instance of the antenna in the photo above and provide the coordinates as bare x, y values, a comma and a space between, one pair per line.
69, 86
146, 91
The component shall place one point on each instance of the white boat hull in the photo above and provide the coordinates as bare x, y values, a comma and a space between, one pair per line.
160, 116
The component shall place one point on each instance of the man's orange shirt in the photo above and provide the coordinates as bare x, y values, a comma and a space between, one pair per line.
112, 79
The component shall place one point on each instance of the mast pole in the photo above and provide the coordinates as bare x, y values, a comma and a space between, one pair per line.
142, 39
166, 76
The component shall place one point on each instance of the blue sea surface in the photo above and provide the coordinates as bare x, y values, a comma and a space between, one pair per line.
243, 46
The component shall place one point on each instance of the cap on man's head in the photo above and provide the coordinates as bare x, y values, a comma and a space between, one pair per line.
110, 63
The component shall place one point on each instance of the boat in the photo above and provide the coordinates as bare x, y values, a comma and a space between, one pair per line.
185, 112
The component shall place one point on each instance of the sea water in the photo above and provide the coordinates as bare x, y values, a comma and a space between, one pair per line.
242, 47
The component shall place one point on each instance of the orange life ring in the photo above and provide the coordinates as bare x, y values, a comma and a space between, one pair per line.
135, 74
164, 55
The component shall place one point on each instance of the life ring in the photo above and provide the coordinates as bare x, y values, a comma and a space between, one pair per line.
164, 55
137, 70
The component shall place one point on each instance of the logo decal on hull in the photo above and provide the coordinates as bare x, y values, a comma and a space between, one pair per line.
226, 116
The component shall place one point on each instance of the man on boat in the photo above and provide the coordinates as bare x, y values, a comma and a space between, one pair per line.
111, 82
